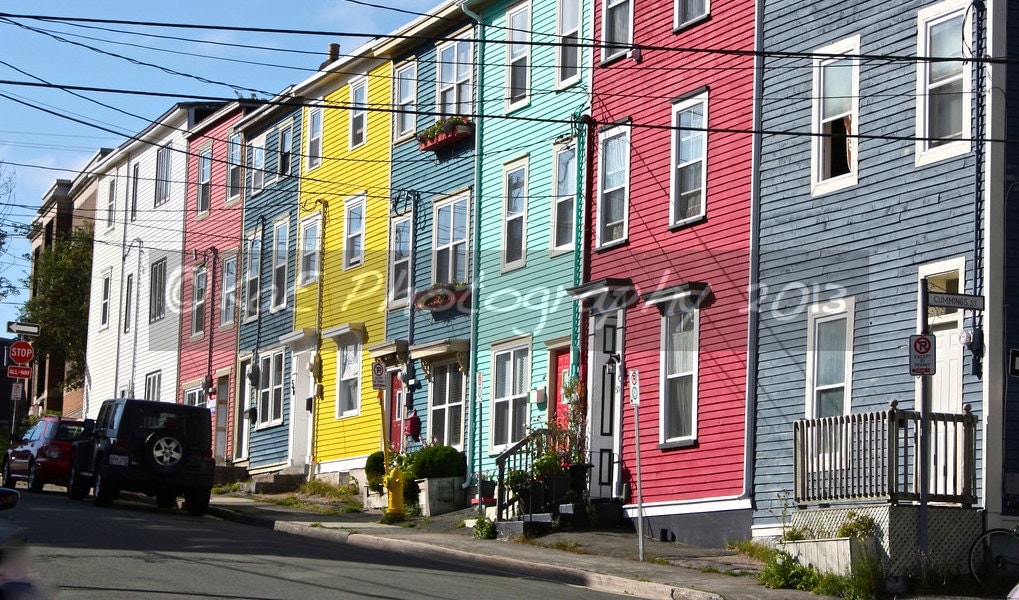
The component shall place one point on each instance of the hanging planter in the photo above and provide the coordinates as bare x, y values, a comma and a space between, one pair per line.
443, 296
445, 133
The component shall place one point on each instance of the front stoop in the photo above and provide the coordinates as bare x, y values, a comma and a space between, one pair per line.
531, 525
229, 474
275, 483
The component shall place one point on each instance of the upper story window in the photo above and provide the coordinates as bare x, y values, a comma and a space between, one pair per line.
233, 166
563, 196
353, 251
228, 300
836, 110
943, 87
688, 11
204, 180
104, 304
614, 185
111, 203
157, 290
164, 173
257, 165
285, 151
314, 138
518, 21
200, 282
252, 276
514, 215
281, 234
568, 50
454, 89
399, 260
617, 28
406, 95
311, 240
358, 113
449, 241
689, 152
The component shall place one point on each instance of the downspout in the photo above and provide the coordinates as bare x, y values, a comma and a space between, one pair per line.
134, 343
978, 180
212, 314
581, 127
475, 458
126, 247
319, 391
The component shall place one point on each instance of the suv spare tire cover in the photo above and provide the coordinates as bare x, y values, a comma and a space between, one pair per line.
164, 451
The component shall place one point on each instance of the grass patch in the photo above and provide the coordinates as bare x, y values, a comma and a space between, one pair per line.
658, 560
318, 525
569, 546
760, 551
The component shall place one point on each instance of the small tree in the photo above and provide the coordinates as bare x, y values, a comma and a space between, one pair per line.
62, 275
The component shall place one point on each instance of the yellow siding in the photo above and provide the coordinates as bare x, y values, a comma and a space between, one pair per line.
357, 294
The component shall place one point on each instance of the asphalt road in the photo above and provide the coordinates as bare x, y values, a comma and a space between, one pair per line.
134, 550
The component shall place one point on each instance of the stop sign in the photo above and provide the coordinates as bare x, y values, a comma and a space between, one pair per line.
22, 352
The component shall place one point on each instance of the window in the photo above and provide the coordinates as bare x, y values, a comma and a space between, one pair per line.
688, 11
678, 420
228, 300
311, 239
233, 166
348, 390
133, 210
449, 259
689, 148
399, 261
285, 151
163, 174
454, 78
617, 30
519, 49
111, 202
836, 109
104, 305
157, 290
257, 165
511, 383
251, 277
204, 180
194, 397
514, 215
153, 383
446, 413
358, 113
279, 265
314, 138
943, 87
568, 50
128, 298
563, 196
614, 185
406, 100
353, 246
198, 280
270, 389
829, 358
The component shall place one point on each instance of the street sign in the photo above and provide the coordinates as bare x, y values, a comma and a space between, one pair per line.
19, 372
22, 328
378, 375
21, 352
16, 391
634, 387
922, 354
964, 301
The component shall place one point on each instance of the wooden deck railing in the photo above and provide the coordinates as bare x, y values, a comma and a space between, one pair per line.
874, 456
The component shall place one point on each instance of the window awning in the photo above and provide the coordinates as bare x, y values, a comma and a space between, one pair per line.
299, 340
678, 298
391, 353
605, 295
355, 328
430, 352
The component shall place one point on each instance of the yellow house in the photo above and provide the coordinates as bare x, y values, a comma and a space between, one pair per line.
341, 245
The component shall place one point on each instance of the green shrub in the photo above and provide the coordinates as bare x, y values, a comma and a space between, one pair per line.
857, 526
375, 470
484, 528
439, 461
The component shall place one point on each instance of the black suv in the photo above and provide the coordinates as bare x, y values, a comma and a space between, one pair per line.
157, 448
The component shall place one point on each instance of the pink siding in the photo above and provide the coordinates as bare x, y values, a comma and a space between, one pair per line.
714, 250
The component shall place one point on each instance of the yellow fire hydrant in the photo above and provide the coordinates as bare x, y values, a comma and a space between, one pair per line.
394, 485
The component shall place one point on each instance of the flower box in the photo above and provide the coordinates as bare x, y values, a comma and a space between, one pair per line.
443, 135
442, 297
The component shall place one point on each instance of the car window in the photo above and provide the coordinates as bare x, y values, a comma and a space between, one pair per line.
68, 431
118, 412
32, 433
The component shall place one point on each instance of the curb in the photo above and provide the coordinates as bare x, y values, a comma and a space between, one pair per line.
524, 568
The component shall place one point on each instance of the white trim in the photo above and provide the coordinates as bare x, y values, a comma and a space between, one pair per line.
357, 201
507, 169
663, 379
525, 44
399, 106
511, 346
408, 288
276, 227
700, 100
314, 160
622, 131
557, 150
356, 110
688, 507
819, 184
608, 52
676, 24
834, 310
313, 219
453, 42
451, 201
562, 46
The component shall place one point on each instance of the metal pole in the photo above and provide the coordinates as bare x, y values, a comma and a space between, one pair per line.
925, 451
640, 496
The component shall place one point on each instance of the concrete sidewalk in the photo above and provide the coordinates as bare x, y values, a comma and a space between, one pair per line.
601, 560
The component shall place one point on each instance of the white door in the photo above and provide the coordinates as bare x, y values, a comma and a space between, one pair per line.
302, 392
946, 439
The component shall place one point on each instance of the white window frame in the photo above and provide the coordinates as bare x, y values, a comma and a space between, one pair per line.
133, 207
228, 293
316, 125
400, 295
358, 113
164, 174
311, 240
568, 43
270, 400
111, 202
696, 138
353, 236
405, 118
199, 291
104, 303
280, 241
234, 174
821, 182
128, 300
517, 166
679, 17
449, 370
348, 376
451, 246
513, 397
285, 150
518, 54
604, 137
670, 313
559, 199
926, 19
826, 312
153, 385
203, 199
194, 397
257, 164
612, 49
157, 290
252, 277
460, 105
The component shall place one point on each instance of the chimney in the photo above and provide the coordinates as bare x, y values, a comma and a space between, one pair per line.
332, 56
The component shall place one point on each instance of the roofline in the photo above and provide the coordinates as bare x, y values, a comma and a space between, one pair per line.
424, 25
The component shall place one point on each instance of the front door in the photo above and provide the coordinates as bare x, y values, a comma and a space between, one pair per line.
561, 360
302, 400
222, 416
603, 411
395, 412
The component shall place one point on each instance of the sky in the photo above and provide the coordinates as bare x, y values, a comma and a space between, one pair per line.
48, 133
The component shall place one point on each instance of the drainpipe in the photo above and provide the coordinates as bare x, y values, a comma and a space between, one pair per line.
474, 420
210, 301
134, 349
319, 391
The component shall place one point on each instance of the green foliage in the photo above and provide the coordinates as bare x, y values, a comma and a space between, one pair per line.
782, 571
792, 534
785, 572
761, 551
857, 526
7, 181
518, 480
375, 470
547, 465
439, 461
484, 528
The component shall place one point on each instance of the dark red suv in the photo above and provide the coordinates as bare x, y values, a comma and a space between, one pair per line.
42, 454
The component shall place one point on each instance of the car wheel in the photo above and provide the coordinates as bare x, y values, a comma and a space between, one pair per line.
166, 500
196, 501
35, 482
164, 452
76, 488
7, 480
104, 493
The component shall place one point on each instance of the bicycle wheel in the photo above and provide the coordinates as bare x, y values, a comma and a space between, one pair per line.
994, 558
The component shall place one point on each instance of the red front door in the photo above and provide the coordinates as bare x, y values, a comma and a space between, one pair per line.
396, 403
561, 358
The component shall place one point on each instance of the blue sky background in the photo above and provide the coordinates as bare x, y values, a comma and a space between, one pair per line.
39, 147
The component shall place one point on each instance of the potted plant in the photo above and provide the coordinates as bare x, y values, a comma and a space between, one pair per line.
525, 488
440, 473
445, 132
443, 296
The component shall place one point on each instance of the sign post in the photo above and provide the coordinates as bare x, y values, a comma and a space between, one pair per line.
634, 377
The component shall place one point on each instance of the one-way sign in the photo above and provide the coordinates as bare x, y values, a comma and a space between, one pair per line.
22, 328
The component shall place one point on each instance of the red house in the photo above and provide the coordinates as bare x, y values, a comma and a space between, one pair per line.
666, 301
